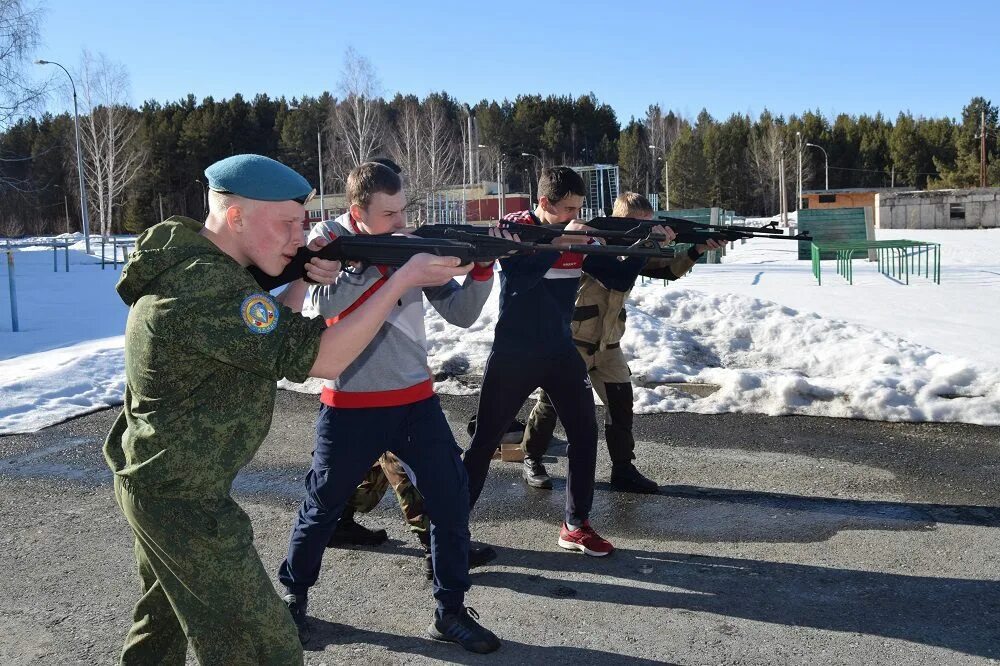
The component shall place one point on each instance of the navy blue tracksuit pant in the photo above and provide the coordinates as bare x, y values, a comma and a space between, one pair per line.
348, 441
508, 380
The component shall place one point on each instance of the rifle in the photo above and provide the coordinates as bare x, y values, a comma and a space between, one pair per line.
625, 228
467, 242
616, 231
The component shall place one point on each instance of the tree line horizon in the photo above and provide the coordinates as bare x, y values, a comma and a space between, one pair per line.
733, 163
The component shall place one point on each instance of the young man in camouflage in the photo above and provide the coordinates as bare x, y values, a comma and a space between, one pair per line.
598, 326
385, 401
204, 347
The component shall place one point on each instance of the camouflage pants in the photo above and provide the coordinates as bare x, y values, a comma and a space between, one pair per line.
202, 582
388, 470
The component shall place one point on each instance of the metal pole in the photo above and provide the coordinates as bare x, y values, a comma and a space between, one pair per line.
666, 181
322, 198
84, 217
13, 290
66, 203
826, 162
781, 186
798, 187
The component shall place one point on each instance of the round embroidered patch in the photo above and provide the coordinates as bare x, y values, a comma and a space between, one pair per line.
260, 313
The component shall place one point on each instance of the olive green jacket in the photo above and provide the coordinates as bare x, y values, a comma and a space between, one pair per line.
204, 347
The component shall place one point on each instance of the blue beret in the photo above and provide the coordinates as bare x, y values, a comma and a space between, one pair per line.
258, 177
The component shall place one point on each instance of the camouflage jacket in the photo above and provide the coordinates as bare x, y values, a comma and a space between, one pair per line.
203, 350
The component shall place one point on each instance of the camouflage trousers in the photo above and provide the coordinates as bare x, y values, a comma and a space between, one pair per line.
202, 583
388, 470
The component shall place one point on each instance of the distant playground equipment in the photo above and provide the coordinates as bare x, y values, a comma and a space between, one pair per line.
115, 243
12, 286
896, 258
842, 234
55, 244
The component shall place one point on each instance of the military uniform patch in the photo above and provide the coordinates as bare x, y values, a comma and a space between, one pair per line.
260, 313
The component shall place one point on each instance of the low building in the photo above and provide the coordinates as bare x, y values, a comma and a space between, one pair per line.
939, 209
848, 197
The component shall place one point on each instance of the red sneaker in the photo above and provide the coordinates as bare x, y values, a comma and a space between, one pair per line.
584, 539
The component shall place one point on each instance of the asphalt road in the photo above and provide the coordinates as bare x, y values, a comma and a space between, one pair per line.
774, 541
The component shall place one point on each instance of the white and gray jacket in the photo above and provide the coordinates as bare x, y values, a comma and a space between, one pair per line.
392, 370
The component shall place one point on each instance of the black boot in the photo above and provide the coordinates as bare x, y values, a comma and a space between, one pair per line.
535, 475
625, 477
297, 604
477, 558
425, 542
461, 627
481, 556
349, 532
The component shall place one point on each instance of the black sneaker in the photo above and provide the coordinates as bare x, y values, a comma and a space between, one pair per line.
461, 627
477, 558
297, 607
535, 475
349, 532
626, 478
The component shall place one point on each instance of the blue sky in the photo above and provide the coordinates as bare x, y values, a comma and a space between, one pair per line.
837, 57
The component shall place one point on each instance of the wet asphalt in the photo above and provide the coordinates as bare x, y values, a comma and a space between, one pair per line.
790, 540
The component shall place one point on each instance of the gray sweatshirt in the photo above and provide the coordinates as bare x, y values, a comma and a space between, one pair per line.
392, 370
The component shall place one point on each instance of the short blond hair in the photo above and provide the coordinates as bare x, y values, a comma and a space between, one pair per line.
631, 204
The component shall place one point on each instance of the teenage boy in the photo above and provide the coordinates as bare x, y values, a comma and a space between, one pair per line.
385, 401
533, 347
598, 326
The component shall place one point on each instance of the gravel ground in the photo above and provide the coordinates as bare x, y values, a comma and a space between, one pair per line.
774, 541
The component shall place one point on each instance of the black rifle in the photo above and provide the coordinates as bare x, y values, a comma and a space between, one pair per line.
616, 231
467, 242
386, 250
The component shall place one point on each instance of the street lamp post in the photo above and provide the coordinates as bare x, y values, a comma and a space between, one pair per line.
826, 163
540, 166
84, 217
502, 199
666, 178
203, 191
319, 157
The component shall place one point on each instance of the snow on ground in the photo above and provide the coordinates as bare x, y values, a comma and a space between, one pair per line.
757, 325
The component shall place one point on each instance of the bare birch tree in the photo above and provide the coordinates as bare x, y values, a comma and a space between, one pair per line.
406, 149
18, 39
112, 154
358, 120
767, 145
440, 148
18, 94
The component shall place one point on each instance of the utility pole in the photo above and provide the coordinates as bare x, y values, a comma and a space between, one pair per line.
982, 149
319, 156
781, 185
798, 183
